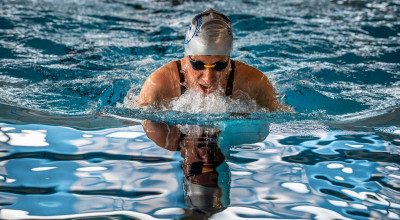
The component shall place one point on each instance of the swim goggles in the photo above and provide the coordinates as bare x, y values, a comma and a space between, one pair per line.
218, 66
198, 168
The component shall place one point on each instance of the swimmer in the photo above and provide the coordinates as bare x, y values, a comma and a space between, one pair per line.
208, 68
206, 178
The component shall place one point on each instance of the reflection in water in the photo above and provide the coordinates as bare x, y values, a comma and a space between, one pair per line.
272, 173
206, 174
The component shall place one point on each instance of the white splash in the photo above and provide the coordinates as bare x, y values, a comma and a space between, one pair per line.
197, 131
194, 102
131, 100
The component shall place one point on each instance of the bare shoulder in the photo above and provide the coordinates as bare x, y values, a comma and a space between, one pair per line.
168, 71
256, 84
245, 71
161, 85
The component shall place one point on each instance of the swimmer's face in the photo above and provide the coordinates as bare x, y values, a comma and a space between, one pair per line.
207, 80
198, 149
200, 158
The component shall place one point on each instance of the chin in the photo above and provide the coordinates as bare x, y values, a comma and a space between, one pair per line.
206, 90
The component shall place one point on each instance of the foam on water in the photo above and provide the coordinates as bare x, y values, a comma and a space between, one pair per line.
194, 102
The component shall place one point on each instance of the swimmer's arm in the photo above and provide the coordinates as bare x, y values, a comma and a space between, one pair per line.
164, 135
265, 94
161, 86
149, 94
268, 97
254, 83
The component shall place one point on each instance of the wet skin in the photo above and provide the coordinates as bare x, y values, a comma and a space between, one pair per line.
249, 83
208, 80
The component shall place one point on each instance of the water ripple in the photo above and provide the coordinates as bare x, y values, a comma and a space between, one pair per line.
68, 137
92, 156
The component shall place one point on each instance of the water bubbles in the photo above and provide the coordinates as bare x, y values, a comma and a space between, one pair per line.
194, 102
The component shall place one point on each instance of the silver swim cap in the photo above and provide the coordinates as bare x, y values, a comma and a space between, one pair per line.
210, 33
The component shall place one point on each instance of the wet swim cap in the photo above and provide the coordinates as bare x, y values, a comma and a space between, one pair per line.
210, 33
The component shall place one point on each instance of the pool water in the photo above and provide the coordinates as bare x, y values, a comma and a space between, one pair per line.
73, 146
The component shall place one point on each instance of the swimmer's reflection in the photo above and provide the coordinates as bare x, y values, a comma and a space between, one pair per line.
206, 174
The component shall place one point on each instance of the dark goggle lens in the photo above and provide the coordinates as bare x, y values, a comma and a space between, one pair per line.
218, 66
195, 168
197, 65
198, 168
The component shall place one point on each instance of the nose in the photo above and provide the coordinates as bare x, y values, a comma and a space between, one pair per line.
205, 156
208, 76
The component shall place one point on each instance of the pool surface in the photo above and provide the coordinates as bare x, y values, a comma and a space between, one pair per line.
73, 147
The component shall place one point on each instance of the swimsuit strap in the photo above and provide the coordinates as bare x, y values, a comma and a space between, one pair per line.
229, 85
181, 76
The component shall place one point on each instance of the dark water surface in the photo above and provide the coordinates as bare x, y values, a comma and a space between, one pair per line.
70, 146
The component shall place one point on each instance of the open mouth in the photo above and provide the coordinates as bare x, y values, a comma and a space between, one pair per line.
206, 89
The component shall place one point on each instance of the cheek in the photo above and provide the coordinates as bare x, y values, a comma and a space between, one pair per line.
194, 76
221, 77
198, 75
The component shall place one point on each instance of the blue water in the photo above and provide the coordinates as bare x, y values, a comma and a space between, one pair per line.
71, 146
